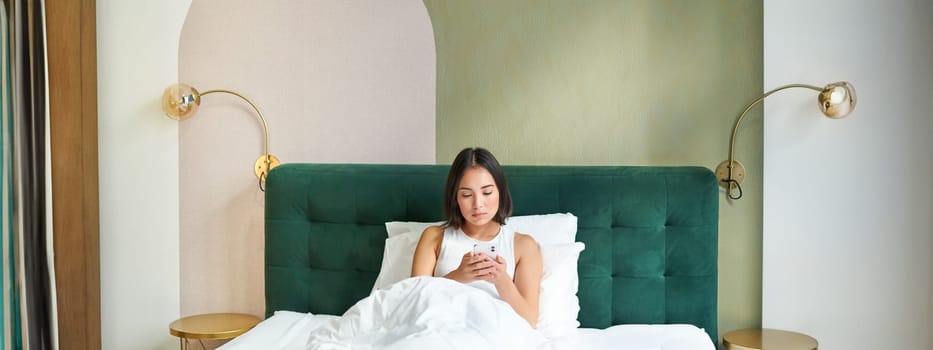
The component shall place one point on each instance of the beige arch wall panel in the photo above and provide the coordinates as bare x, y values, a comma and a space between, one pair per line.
337, 82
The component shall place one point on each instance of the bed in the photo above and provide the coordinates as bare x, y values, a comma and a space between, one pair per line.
646, 279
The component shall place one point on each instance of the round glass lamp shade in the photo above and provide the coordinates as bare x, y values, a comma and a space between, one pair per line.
180, 101
837, 100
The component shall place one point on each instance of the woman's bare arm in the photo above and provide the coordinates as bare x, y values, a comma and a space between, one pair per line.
426, 252
524, 292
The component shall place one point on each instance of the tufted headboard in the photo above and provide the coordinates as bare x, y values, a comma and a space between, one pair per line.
650, 234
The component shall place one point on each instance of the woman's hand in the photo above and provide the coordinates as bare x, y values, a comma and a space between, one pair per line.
476, 267
500, 275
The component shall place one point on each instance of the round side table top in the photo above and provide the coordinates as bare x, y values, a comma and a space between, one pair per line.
767, 339
213, 326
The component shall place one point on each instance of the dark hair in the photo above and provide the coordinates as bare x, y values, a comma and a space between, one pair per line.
467, 158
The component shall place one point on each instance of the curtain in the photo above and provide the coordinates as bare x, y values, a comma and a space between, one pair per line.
11, 337
27, 282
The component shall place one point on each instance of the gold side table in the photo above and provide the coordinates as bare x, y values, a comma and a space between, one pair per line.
211, 326
767, 339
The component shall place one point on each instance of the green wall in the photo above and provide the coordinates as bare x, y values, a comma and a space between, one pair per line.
618, 82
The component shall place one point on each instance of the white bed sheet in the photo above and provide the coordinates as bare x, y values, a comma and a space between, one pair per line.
287, 330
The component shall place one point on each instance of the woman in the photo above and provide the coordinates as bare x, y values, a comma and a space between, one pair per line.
476, 204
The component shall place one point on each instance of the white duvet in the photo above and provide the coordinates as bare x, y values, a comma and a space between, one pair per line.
427, 313
436, 313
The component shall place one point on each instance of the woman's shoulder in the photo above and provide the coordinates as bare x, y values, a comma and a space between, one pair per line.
433, 232
525, 241
526, 249
435, 229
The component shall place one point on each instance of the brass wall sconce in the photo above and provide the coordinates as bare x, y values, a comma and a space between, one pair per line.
181, 101
836, 101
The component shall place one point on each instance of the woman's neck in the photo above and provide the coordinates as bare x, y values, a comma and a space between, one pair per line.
484, 233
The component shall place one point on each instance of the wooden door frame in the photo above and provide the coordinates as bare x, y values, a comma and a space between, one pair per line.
71, 34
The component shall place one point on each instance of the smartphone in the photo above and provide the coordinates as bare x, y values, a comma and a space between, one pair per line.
489, 249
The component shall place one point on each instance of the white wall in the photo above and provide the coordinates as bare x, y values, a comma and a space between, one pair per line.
137, 53
848, 205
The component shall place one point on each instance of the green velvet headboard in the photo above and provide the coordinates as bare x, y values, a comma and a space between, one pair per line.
650, 234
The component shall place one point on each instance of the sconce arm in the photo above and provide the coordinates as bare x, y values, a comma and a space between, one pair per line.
266, 161
729, 181
262, 119
738, 121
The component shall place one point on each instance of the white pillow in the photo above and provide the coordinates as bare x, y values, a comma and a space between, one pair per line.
396, 228
397, 259
399, 251
546, 229
558, 304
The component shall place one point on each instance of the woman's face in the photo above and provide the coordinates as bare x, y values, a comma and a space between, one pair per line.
478, 196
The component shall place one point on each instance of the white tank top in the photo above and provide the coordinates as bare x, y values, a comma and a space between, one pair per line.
456, 243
